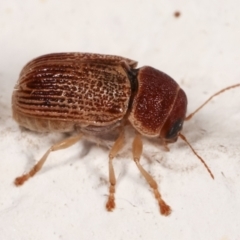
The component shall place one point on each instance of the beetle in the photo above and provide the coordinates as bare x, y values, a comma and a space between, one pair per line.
96, 96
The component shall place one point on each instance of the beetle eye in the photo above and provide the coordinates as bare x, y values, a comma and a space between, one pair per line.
176, 128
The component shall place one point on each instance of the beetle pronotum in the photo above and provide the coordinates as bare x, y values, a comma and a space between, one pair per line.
96, 96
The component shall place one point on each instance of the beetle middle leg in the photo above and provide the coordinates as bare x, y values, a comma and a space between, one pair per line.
137, 152
112, 179
58, 146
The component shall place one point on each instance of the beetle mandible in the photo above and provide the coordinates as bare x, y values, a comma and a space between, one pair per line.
97, 96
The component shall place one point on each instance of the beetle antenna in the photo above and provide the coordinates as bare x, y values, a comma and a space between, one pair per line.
209, 99
206, 166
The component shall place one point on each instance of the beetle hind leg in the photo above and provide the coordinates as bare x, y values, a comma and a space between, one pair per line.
110, 205
137, 152
58, 146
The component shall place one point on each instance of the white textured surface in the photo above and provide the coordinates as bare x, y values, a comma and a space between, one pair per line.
200, 49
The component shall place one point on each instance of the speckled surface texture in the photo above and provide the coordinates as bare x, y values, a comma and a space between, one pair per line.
200, 49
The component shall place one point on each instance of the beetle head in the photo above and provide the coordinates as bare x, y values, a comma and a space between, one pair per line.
159, 105
176, 116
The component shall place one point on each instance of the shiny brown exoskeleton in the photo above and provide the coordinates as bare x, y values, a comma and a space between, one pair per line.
97, 96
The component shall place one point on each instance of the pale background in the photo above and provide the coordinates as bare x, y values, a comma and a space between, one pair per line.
200, 49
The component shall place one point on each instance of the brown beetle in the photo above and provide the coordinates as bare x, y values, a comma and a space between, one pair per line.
97, 96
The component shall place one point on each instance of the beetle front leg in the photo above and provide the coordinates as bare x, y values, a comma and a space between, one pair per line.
110, 205
137, 152
58, 146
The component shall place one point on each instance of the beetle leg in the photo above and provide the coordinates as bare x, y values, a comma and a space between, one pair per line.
137, 152
112, 179
58, 146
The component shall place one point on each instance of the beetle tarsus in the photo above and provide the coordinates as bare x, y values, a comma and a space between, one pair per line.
21, 180
165, 209
110, 205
